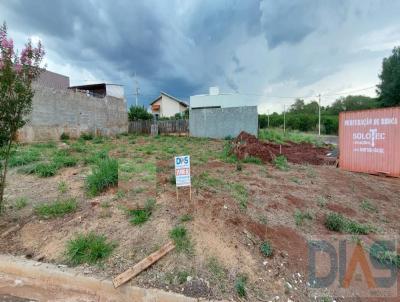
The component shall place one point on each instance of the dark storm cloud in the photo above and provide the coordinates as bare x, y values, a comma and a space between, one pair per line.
291, 21
185, 46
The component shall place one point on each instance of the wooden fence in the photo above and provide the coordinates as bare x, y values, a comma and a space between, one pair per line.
164, 127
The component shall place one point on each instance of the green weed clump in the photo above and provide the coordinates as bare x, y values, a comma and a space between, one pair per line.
86, 136
88, 248
186, 218
338, 223
46, 169
23, 157
180, 237
240, 286
384, 255
140, 216
58, 208
368, 206
104, 175
64, 159
21, 203
300, 217
266, 249
240, 193
281, 163
64, 136
252, 160
95, 157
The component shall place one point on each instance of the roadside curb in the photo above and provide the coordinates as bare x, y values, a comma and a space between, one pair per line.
46, 282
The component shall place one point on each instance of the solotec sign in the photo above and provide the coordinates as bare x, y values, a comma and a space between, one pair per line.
369, 141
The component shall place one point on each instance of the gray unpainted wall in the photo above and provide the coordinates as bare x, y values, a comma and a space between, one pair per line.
57, 111
223, 122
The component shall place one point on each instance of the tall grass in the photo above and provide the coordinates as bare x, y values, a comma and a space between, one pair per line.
104, 175
23, 157
88, 248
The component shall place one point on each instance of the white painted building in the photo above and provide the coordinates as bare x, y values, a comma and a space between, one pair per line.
167, 106
215, 99
101, 90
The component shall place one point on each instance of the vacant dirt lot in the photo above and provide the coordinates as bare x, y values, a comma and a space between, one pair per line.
234, 208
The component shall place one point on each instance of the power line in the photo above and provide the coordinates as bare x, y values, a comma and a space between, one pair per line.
348, 92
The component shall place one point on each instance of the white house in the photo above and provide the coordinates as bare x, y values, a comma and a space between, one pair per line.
167, 106
215, 99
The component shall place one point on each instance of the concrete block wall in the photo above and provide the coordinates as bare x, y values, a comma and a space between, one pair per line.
223, 122
59, 110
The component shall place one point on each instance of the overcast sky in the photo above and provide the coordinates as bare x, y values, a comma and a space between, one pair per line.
269, 50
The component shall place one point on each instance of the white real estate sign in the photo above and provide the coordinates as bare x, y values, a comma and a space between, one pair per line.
182, 171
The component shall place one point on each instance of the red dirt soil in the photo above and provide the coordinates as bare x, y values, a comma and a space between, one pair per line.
245, 145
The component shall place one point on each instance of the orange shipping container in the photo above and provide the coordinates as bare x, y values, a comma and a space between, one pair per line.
369, 141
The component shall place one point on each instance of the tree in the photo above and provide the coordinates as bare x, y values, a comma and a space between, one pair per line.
350, 103
16, 76
389, 88
138, 113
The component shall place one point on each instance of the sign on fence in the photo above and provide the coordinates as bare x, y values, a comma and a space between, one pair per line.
182, 171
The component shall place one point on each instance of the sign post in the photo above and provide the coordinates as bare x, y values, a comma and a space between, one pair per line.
182, 173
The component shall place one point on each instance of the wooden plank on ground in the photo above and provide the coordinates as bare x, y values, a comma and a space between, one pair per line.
143, 264
11, 230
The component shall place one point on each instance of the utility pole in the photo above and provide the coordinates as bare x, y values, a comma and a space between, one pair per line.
284, 118
137, 90
268, 118
319, 115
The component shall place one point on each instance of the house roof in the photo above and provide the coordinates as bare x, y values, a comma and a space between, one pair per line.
171, 97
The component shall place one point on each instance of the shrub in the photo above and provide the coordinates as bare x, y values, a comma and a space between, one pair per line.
281, 163
266, 249
86, 136
181, 239
56, 209
138, 113
240, 286
90, 248
64, 136
103, 176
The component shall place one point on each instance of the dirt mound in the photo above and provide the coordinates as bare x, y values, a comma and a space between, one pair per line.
245, 145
